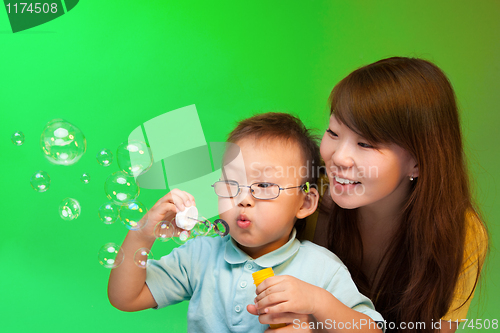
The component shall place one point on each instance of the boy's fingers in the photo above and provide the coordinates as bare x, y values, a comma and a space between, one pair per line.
269, 282
251, 308
271, 300
182, 199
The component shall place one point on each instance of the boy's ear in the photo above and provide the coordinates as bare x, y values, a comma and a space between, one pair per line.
309, 204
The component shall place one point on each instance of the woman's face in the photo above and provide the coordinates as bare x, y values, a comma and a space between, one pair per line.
362, 174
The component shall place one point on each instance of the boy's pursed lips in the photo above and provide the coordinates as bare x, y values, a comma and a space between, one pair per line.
243, 221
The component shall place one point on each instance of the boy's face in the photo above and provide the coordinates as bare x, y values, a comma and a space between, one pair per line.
261, 226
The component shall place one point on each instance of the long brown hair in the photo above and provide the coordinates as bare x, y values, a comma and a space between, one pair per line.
411, 103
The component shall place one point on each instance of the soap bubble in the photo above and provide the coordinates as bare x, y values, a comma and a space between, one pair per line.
69, 209
104, 157
181, 236
131, 215
164, 231
62, 142
108, 213
110, 255
121, 188
17, 138
85, 178
134, 158
40, 181
142, 256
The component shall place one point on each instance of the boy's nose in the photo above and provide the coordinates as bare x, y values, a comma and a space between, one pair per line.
247, 199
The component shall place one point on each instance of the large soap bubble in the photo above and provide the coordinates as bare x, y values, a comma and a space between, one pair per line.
121, 188
134, 157
62, 142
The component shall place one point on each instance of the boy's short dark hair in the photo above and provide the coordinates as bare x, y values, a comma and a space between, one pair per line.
285, 127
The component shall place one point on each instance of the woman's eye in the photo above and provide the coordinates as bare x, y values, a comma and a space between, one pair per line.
332, 133
264, 185
364, 145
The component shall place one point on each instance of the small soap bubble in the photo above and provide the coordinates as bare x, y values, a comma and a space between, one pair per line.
110, 255
181, 236
69, 209
40, 181
85, 178
131, 215
62, 142
121, 188
17, 138
164, 231
104, 157
142, 256
108, 213
134, 158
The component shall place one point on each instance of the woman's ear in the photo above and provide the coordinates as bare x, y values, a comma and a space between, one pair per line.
415, 171
309, 204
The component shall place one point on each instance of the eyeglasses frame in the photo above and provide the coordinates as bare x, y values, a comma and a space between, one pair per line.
305, 187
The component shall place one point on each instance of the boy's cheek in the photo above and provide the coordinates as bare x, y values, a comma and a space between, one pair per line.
225, 206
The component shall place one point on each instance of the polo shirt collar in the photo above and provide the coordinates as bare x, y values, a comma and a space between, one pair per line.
234, 255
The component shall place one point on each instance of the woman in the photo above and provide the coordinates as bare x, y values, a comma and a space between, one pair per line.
398, 211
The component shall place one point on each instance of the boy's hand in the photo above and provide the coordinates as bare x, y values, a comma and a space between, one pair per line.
165, 209
284, 293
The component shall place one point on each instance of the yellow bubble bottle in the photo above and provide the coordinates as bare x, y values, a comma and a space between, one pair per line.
260, 276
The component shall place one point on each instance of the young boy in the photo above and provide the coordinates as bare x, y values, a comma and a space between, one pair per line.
261, 197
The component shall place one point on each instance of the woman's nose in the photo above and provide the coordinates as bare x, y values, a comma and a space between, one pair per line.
343, 155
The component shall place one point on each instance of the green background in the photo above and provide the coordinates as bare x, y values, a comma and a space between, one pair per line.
109, 66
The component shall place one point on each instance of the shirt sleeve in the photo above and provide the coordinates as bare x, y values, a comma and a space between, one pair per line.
168, 279
476, 246
343, 288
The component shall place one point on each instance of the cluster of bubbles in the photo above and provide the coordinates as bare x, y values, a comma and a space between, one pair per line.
166, 230
63, 143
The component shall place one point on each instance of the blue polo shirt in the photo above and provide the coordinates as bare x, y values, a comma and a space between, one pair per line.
215, 275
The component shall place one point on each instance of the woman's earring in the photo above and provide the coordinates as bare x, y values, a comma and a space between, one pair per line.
411, 177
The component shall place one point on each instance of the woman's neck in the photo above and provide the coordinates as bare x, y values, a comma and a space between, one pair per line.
377, 225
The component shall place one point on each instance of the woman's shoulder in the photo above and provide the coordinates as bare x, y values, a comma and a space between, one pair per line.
476, 238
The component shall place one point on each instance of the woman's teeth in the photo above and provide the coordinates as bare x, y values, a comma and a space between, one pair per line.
344, 181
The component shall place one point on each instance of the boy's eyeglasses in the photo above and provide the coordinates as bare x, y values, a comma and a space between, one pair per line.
260, 190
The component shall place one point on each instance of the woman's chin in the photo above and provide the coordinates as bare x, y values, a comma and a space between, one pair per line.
345, 202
